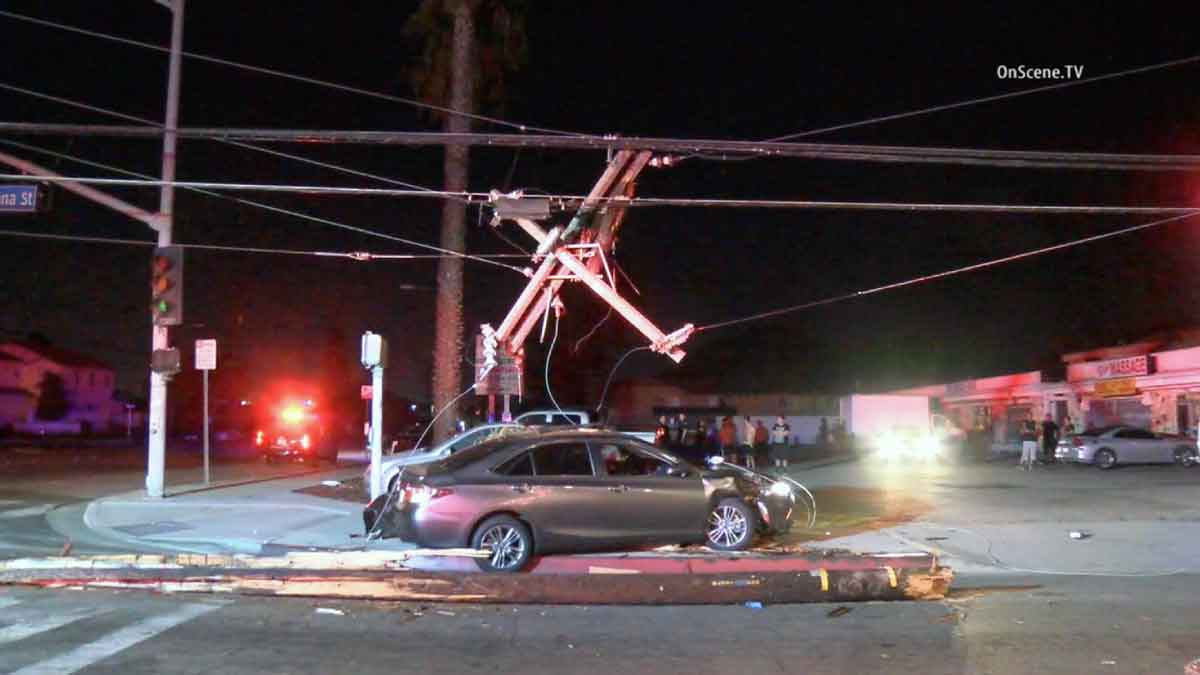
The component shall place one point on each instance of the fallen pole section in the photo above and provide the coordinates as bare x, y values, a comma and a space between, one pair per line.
381, 576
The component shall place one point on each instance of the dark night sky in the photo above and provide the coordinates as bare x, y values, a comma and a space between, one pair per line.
711, 70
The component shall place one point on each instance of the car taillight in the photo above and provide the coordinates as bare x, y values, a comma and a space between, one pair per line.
305, 441
258, 438
420, 494
1077, 442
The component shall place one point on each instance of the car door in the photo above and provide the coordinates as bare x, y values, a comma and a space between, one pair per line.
1135, 445
565, 498
650, 498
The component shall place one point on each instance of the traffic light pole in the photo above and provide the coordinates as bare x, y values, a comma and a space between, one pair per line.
156, 445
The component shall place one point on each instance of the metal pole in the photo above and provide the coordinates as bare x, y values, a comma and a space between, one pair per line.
376, 431
206, 476
156, 451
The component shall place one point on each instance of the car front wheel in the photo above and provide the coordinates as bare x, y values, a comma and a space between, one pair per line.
730, 525
507, 539
1106, 459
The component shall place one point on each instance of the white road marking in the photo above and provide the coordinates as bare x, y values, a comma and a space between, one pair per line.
85, 655
8, 602
24, 629
39, 510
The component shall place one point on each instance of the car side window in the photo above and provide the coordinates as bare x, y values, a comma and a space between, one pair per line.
521, 465
562, 459
468, 440
619, 460
1134, 433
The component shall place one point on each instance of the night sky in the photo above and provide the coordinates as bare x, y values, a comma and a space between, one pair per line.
710, 70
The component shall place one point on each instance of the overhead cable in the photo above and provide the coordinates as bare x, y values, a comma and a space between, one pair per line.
289, 76
940, 275
565, 201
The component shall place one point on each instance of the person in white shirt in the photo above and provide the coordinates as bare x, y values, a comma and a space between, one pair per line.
779, 440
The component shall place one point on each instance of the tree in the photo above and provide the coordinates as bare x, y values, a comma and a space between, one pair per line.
52, 402
468, 47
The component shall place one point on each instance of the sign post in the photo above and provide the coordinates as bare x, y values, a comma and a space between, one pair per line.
374, 358
206, 360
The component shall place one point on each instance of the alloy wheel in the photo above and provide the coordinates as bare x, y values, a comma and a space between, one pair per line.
727, 526
506, 545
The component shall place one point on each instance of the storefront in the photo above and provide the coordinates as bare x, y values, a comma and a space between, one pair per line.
1153, 390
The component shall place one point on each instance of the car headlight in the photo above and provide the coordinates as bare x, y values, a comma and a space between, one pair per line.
779, 489
888, 444
930, 445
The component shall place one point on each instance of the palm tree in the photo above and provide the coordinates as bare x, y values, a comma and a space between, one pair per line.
468, 47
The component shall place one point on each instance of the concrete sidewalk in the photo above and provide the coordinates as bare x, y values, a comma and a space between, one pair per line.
258, 518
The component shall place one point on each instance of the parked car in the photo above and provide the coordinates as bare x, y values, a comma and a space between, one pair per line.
553, 417
1107, 447
575, 490
469, 438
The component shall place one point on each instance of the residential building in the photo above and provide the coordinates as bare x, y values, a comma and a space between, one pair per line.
87, 383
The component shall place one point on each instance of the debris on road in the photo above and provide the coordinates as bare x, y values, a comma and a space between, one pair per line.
1075, 534
330, 610
446, 613
837, 611
331, 483
754, 604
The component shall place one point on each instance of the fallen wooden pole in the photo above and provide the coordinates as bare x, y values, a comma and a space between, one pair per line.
605, 589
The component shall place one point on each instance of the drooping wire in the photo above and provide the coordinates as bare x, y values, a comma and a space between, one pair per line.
290, 76
550, 353
604, 393
590, 333
940, 275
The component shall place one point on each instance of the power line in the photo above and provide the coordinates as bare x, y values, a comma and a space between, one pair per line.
266, 207
354, 255
940, 275
1042, 159
566, 200
239, 144
989, 99
289, 76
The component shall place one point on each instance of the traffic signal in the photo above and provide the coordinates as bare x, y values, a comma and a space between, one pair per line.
166, 286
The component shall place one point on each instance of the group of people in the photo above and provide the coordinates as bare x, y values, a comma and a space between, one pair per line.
745, 441
1043, 437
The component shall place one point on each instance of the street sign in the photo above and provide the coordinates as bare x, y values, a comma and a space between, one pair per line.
364, 392
19, 198
206, 354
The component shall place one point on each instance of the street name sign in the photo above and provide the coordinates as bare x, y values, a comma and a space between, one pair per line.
19, 198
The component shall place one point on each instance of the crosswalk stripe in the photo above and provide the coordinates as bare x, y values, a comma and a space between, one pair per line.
24, 629
116, 641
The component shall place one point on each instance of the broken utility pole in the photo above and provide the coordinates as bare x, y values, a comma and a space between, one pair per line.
579, 253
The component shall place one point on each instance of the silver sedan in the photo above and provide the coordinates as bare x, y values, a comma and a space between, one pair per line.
1107, 447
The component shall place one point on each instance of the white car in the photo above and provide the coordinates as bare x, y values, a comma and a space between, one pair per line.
471, 437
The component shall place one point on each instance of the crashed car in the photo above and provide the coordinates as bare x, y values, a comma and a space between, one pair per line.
573, 491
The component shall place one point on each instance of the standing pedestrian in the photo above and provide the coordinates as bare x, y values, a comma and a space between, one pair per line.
823, 434
686, 435
761, 436
1028, 444
672, 431
1049, 438
779, 442
728, 439
747, 441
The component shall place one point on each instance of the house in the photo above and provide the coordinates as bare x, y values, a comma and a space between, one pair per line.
87, 384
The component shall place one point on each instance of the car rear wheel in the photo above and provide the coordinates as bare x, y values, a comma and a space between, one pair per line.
1185, 456
509, 542
1105, 458
730, 525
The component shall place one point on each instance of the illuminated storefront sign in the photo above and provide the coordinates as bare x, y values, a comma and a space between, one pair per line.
1121, 387
1126, 367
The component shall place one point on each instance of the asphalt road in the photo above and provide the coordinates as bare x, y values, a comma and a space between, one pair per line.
997, 621
1023, 625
